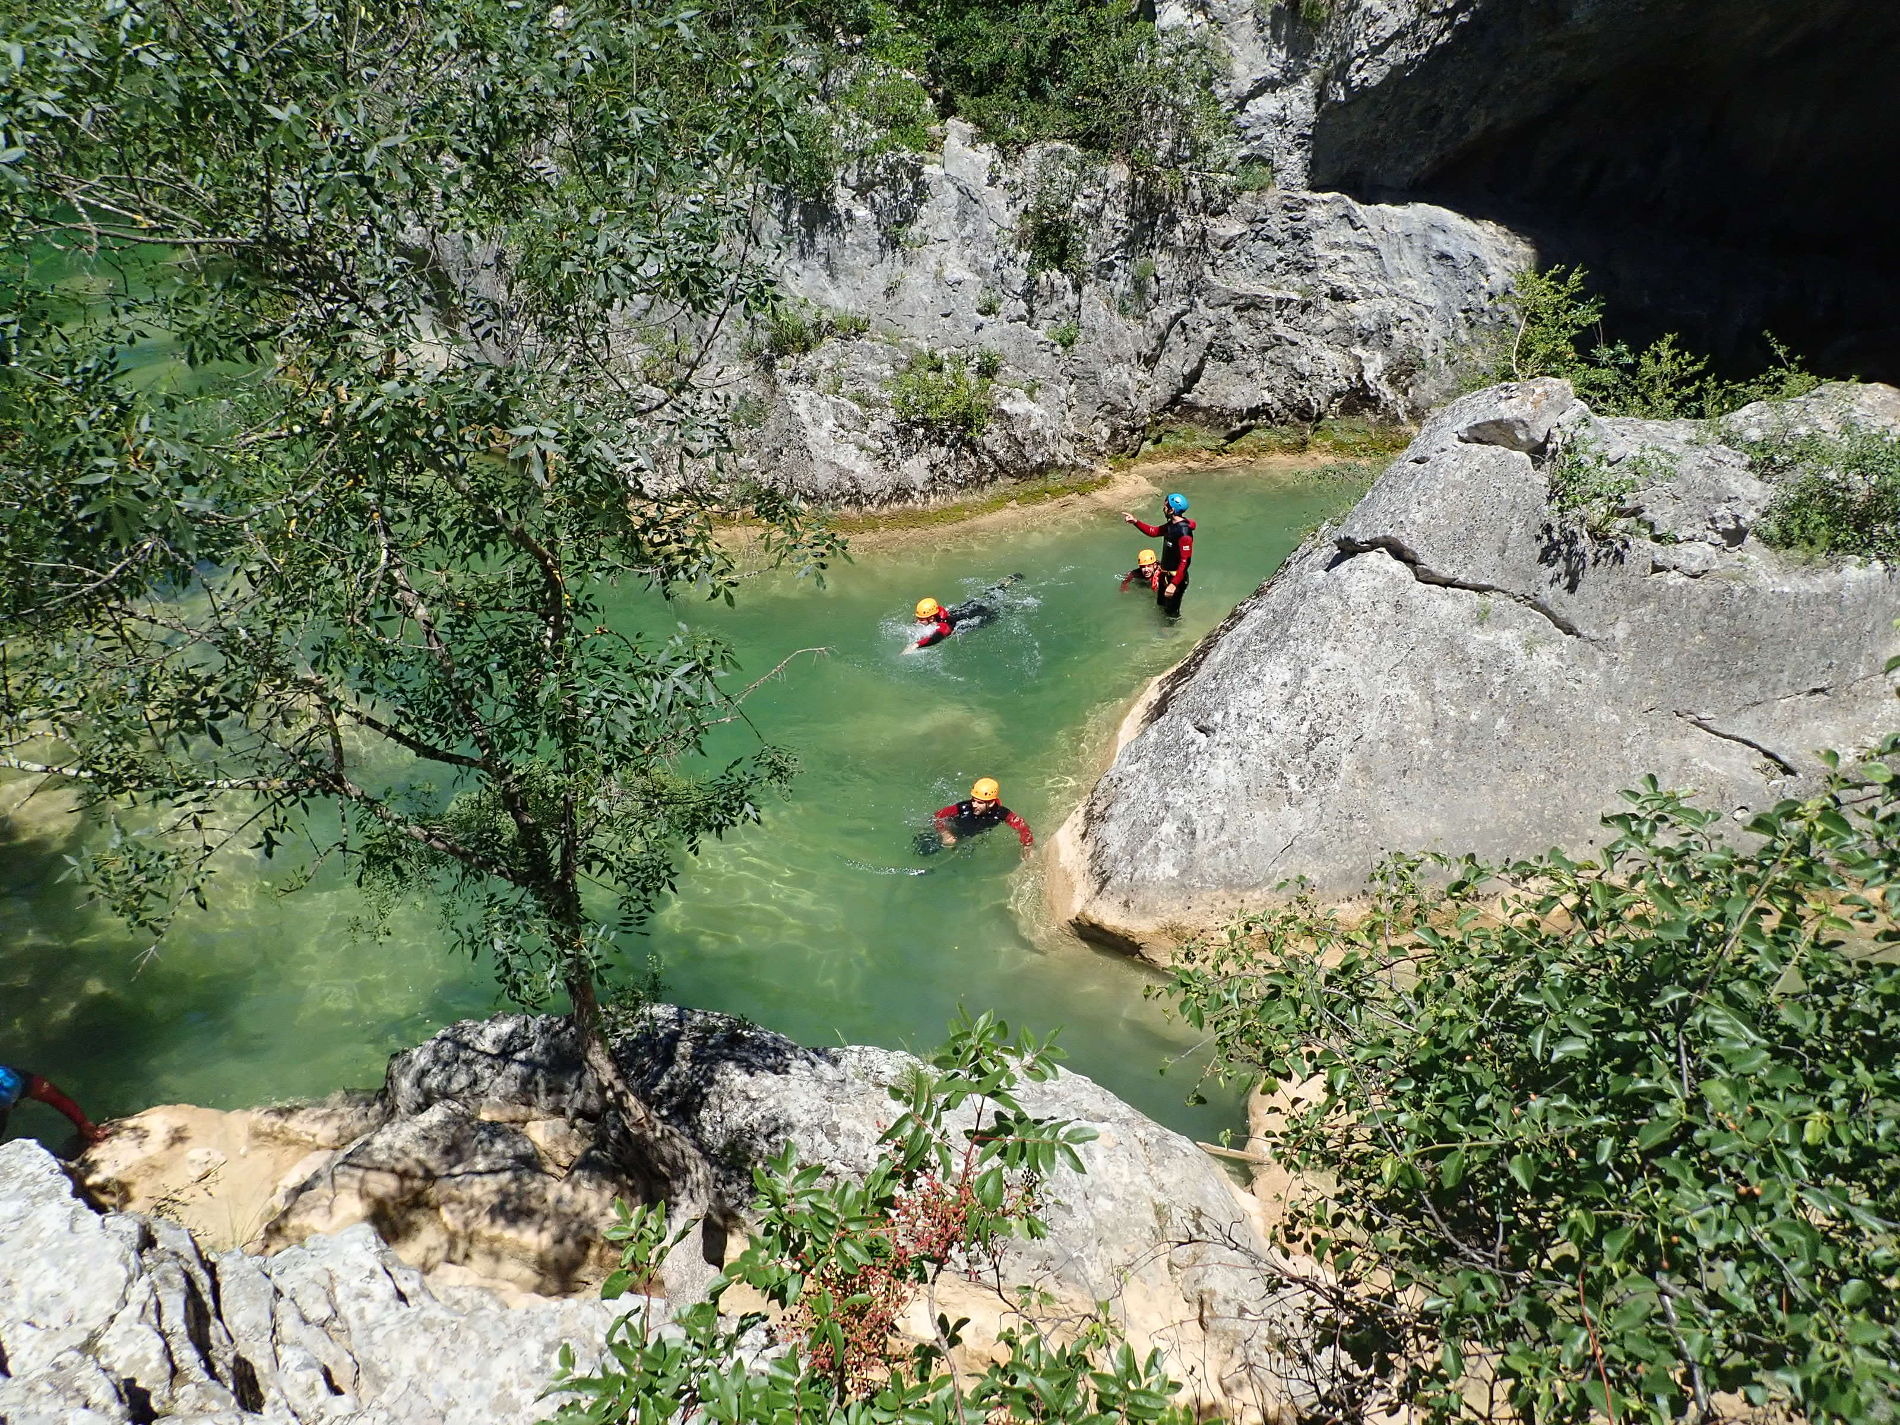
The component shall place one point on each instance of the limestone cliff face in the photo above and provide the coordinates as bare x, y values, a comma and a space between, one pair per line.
117, 1317
1227, 307
1706, 159
1458, 667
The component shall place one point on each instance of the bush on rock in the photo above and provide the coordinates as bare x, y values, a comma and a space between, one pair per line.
1614, 1138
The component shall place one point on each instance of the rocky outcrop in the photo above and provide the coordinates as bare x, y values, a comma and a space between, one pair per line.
1204, 303
1706, 159
476, 1162
1458, 666
117, 1317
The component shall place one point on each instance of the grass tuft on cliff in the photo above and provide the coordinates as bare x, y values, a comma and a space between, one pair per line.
1835, 496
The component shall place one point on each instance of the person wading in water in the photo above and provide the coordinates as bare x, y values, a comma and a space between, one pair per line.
1177, 548
16, 1084
982, 810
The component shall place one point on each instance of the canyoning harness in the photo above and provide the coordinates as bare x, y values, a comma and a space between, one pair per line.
963, 819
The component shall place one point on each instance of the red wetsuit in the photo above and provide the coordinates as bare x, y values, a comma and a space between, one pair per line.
963, 819
939, 630
1149, 574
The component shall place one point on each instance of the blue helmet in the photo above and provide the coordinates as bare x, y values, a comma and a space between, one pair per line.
1177, 504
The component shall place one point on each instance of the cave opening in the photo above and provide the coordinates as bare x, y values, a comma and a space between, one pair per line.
1721, 167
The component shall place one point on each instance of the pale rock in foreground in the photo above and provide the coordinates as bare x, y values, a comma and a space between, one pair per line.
476, 1161
1456, 667
116, 1318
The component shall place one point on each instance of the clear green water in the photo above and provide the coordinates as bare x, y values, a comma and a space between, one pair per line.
812, 923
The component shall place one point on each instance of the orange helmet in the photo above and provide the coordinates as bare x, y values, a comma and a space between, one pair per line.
986, 790
1146, 557
928, 608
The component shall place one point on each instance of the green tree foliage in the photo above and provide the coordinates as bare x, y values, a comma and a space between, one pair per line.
1555, 314
837, 1262
1092, 73
1601, 1139
439, 278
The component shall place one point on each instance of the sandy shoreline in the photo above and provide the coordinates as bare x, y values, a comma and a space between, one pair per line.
1106, 490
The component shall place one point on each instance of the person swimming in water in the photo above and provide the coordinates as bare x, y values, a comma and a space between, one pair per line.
1147, 572
936, 623
16, 1084
982, 810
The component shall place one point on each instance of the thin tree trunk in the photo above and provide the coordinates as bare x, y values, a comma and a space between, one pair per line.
664, 1160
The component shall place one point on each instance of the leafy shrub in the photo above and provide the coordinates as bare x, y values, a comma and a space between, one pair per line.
791, 329
989, 302
1065, 334
1585, 486
863, 60
1051, 232
837, 1262
748, 411
1554, 311
989, 362
941, 396
1253, 175
1599, 1139
1834, 496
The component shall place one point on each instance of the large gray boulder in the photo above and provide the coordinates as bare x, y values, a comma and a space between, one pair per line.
476, 1162
1458, 667
1153, 1227
116, 1317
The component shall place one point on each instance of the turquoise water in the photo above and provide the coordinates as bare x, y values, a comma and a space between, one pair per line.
815, 923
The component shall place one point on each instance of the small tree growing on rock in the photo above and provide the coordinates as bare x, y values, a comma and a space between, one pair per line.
340, 584
836, 1262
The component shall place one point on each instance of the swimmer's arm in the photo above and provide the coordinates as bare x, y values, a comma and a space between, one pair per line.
944, 817
1021, 828
48, 1093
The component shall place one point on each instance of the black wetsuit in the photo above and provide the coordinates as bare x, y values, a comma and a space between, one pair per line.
1177, 549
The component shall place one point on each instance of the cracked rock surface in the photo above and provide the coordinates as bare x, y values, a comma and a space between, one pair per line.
459, 1165
116, 1317
1226, 308
1458, 667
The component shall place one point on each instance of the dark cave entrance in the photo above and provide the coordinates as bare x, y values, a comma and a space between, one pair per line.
1722, 167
